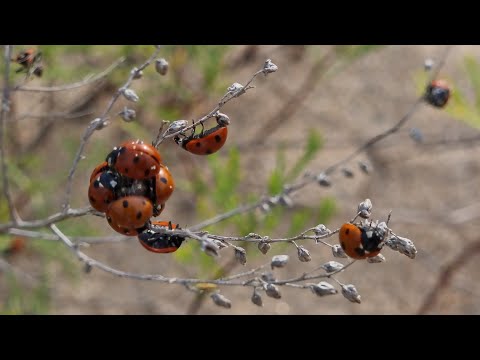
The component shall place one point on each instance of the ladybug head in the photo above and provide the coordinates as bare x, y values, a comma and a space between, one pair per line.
178, 140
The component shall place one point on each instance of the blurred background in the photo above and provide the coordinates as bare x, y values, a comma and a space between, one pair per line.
322, 103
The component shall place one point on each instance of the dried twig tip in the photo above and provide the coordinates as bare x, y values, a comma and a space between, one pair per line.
303, 254
161, 65
279, 261
269, 67
221, 300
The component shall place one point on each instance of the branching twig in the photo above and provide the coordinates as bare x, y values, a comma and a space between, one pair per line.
89, 80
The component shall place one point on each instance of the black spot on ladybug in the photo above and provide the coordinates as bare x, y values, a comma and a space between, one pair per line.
360, 251
136, 159
198, 144
347, 231
92, 199
342, 244
147, 172
126, 171
106, 201
218, 138
109, 219
125, 203
208, 151
163, 180
139, 215
96, 184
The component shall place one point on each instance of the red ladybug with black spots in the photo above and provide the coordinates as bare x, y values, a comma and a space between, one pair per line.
207, 142
129, 215
360, 242
160, 243
135, 159
103, 189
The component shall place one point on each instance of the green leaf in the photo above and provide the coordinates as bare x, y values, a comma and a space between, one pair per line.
326, 210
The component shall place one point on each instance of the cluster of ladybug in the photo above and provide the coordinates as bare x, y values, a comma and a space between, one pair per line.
130, 187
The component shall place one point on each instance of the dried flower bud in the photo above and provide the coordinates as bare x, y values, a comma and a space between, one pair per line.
332, 266
323, 180
209, 247
338, 252
222, 119
279, 261
87, 268
364, 167
416, 135
350, 293
219, 243
273, 291
137, 74
376, 259
268, 277
241, 255
236, 89
264, 247
303, 254
347, 172
176, 126
365, 209
428, 64
265, 208
256, 298
130, 95
402, 245
286, 200
127, 114
323, 288
321, 230
269, 67
221, 300
161, 65
99, 123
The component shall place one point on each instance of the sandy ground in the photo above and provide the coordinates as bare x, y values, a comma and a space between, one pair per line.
422, 186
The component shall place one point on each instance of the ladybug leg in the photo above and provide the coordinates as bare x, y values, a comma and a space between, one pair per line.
203, 129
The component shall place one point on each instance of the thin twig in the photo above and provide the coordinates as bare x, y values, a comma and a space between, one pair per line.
88, 80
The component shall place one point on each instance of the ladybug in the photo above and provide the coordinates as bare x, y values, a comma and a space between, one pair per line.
30, 62
99, 169
129, 215
102, 190
164, 185
135, 159
207, 142
437, 93
360, 242
160, 243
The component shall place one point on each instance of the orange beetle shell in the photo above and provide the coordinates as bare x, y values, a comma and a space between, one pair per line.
137, 160
162, 243
100, 197
130, 213
353, 242
211, 141
99, 169
164, 185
